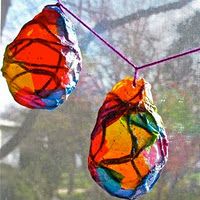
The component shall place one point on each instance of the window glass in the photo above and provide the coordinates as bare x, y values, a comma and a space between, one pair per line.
44, 153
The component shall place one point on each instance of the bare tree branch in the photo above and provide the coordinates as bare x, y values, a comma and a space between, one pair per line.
106, 25
22, 132
82, 8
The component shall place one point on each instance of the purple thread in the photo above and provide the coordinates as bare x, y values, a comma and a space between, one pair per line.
135, 77
97, 35
124, 57
169, 58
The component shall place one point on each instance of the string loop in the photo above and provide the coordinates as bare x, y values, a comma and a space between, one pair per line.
135, 76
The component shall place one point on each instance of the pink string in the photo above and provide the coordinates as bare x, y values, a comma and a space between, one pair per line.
137, 68
98, 36
135, 77
170, 58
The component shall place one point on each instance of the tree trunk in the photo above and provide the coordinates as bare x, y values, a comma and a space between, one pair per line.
72, 174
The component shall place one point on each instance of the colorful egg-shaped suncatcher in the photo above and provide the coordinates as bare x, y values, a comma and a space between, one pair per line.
43, 62
129, 146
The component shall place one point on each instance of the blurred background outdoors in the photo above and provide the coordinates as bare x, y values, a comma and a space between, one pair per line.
44, 154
